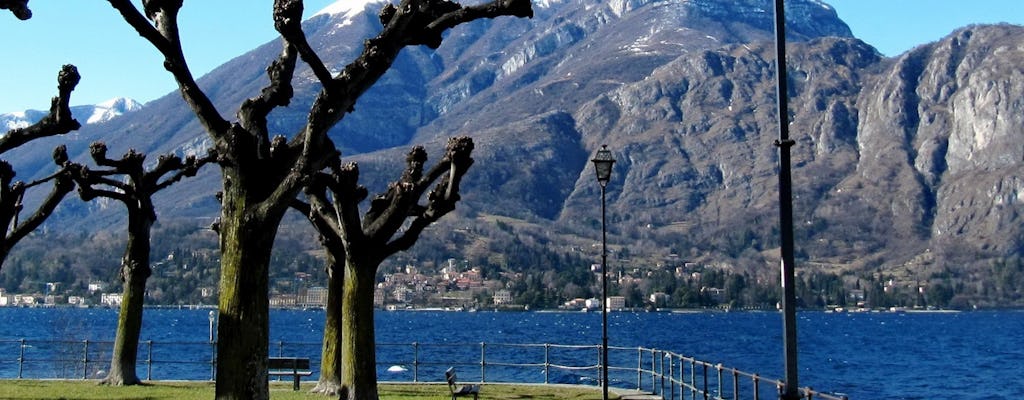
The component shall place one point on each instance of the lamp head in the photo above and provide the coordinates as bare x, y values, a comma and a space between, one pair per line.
603, 162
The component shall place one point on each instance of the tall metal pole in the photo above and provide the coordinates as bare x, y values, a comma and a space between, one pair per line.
603, 162
790, 390
604, 301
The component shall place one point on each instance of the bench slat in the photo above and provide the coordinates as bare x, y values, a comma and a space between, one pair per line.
287, 363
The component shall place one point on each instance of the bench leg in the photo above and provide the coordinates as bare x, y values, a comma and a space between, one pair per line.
295, 384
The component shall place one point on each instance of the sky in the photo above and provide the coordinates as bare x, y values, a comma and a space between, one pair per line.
115, 62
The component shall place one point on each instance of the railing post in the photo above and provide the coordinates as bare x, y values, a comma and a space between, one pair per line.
600, 363
693, 379
415, 361
213, 360
639, 368
85, 359
735, 384
547, 363
671, 376
757, 387
483, 362
149, 360
721, 391
662, 372
280, 348
21, 359
653, 368
705, 365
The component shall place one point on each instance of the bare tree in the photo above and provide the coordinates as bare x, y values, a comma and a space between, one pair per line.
57, 122
127, 181
262, 176
361, 243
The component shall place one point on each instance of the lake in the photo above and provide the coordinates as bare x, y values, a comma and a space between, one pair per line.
969, 355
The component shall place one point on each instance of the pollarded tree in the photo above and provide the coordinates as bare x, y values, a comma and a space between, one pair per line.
57, 122
361, 243
127, 181
262, 176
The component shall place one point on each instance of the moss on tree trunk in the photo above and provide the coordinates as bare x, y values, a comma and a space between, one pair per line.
330, 355
135, 271
246, 240
358, 346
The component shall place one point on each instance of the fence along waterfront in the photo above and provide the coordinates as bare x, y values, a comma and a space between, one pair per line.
667, 374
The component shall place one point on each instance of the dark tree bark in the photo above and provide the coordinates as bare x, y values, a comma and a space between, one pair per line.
363, 242
262, 176
57, 122
134, 187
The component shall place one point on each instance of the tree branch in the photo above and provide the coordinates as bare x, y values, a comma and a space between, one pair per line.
18, 7
288, 22
442, 199
63, 184
164, 36
412, 22
252, 116
58, 122
189, 169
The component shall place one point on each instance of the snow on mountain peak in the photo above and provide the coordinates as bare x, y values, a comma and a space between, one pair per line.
109, 109
92, 114
346, 7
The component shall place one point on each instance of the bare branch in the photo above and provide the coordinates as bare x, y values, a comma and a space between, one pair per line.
411, 23
252, 115
288, 22
18, 7
448, 20
189, 169
57, 122
445, 195
11, 195
164, 36
130, 163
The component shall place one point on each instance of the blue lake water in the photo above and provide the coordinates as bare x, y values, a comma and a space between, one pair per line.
971, 355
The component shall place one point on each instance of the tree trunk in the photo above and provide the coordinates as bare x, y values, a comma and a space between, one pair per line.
330, 355
246, 240
135, 271
358, 346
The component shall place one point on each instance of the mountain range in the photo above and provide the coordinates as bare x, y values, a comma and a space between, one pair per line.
88, 114
910, 165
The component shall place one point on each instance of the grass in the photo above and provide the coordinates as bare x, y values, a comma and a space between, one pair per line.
161, 390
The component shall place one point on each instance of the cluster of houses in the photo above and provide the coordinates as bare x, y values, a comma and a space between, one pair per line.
454, 286
52, 300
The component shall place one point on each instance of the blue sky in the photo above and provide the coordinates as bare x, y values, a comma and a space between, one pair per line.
114, 61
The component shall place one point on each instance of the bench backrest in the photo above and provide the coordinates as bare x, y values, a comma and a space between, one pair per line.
449, 375
287, 363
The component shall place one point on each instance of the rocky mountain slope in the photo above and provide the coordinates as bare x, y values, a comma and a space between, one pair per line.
909, 164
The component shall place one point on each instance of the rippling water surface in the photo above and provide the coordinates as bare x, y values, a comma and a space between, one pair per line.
971, 355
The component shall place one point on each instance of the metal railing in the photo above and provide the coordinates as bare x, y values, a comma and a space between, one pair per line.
666, 374
674, 376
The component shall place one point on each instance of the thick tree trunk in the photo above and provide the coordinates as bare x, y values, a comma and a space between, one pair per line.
330, 355
246, 240
358, 346
135, 271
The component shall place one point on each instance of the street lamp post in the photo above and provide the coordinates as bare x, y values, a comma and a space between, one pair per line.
603, 162
789, 390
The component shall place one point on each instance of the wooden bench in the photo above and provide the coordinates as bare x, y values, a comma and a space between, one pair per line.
294, 366
464, 390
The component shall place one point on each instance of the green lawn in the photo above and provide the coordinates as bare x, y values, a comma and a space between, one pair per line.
90, 390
